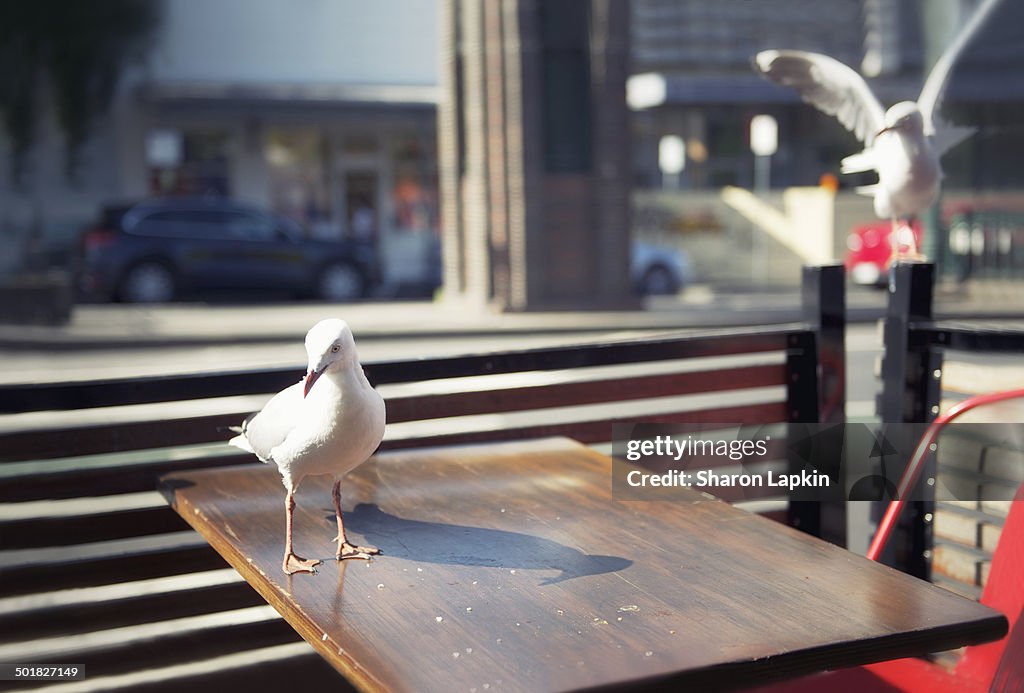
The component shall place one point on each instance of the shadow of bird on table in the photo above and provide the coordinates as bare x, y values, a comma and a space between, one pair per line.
450, 544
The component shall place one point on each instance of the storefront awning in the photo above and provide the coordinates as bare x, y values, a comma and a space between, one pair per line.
652, 90
276, 95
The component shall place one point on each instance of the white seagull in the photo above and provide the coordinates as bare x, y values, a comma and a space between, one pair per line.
330, 423
903, 144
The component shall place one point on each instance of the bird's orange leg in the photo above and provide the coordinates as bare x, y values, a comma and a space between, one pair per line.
293, 563
904, 243
345, 549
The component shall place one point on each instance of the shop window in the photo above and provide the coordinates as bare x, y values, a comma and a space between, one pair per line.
361, 204
414, 196
359, 145
188, 163
298, 179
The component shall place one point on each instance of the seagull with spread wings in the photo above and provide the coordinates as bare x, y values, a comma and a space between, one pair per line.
903, 144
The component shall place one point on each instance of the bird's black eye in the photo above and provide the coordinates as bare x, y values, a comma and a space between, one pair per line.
335, 349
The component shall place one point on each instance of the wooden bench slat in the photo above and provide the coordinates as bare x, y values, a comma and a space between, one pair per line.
15, 399
104, 480
31, 579
111, 392
68, 619
136, 435
105, 653
103, 640
436, 406
276, 667
114, 592
69, 483
63, 531
254, 675
645, 349
591, 432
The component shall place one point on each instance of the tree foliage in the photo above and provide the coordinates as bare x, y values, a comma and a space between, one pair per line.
79, 48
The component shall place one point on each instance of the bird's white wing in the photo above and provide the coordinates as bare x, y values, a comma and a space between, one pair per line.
268, 428
859, 163
935, 86
827, 84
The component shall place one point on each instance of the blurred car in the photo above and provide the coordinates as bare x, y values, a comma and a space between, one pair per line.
654, 270
657, 271
158, 249
869, 251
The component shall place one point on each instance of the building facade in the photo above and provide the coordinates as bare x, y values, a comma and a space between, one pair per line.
534, 136
701, 52
324, 110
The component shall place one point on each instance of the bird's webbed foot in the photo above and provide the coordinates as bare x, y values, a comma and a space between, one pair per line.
349, 550
293, 563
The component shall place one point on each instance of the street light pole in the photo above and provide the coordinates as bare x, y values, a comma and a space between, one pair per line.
671, 160
940, 22
762, 174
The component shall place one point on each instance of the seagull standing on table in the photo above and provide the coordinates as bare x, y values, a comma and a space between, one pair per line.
902, 144
329, 423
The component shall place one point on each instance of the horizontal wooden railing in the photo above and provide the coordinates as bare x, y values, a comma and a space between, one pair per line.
96, 569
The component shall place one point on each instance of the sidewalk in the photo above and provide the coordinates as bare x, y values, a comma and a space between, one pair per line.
119, 326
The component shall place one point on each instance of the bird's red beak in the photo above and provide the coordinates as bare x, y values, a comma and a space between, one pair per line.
311, 378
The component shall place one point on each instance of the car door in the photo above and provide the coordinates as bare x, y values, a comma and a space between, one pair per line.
260, 253
191, 239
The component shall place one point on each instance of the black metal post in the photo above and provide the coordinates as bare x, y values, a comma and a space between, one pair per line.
906, 362
802, 408
911, 388
824, 311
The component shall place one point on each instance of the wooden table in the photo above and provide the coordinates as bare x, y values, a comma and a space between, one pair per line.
509, 567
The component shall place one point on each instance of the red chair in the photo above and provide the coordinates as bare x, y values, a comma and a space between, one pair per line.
994, 666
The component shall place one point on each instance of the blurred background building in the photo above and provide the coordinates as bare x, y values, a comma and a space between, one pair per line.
327, 110
323, 110
536, 153
693, 78
692, 81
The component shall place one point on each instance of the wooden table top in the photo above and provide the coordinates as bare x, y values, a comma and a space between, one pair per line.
509, 567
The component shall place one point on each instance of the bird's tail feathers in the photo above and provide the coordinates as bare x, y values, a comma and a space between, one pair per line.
948, 136
858, 163
241, 443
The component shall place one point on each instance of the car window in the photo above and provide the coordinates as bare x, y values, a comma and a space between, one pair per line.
181, 223
249, 227
110, 217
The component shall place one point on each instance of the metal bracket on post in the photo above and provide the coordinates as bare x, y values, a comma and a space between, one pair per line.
911, 388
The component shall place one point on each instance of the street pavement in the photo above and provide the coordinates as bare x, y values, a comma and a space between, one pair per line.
197, 324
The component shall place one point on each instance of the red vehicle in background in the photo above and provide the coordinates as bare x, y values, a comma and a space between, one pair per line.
869, 251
